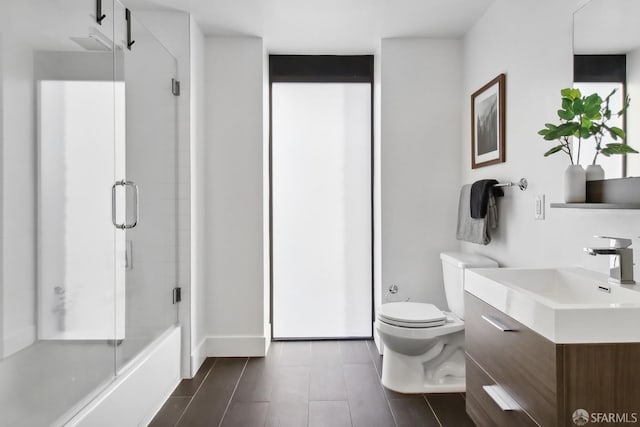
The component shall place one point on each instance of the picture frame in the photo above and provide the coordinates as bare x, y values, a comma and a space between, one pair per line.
488, 124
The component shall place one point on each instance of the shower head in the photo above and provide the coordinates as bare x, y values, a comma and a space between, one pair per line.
96, 41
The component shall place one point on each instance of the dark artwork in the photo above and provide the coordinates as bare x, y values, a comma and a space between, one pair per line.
487, 125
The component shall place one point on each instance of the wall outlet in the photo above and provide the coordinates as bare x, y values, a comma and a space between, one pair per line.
539, 207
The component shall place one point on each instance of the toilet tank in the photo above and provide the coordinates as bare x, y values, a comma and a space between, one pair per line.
453, 266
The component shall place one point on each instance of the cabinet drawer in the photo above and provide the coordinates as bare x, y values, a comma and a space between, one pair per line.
482, 409
522, 362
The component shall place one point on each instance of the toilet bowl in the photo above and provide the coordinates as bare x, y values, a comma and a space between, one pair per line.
423, 345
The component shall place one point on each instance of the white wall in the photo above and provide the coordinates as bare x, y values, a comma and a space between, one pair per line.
2, 293
266, 234
198, 167
234, 196
377, 183
531, 43
420, 119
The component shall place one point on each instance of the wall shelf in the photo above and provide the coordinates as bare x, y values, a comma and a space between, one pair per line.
620, 193
596, 205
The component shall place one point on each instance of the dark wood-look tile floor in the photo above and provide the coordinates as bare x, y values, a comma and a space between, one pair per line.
307, 384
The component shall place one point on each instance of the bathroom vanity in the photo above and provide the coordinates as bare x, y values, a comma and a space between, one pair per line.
528, 359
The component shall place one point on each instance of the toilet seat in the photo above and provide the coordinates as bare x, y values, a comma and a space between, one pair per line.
411, 315
454, 325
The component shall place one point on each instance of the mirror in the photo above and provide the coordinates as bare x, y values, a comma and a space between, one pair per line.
608, 31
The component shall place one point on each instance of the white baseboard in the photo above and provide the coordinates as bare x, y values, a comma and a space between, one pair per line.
378, 341
267, 337
139, 391
236, 346
198, 356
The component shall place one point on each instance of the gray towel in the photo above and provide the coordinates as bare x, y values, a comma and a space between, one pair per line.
471, 229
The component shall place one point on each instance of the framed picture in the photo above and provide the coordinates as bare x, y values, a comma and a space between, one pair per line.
488, 123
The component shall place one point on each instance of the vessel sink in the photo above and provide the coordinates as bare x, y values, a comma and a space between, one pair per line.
565, 305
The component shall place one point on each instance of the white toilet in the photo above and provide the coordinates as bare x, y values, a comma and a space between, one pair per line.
424, 346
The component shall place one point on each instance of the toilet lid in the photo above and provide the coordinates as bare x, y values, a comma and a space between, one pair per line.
411, 314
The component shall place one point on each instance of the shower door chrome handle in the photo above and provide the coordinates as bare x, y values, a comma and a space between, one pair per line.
114, 201
136, 208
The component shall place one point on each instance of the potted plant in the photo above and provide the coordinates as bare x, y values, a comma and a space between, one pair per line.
581, 118
600, 129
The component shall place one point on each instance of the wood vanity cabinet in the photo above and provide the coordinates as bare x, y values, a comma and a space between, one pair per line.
548, 381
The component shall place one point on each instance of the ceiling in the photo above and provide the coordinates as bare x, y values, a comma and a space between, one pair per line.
607, 27
325, 26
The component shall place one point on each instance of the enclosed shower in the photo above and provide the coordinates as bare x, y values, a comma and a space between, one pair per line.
89, 255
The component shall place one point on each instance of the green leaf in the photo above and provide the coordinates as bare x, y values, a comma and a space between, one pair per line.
570, 126
565, 129
584, 133
616, 132
610, 95
566, 114
567, 104
592, 106
554, 150
578, 106
593, 99
592, 111
570, 93
616, 148
548, 129
627, 101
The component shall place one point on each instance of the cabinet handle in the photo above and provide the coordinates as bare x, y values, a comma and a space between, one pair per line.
498, 325
501, 397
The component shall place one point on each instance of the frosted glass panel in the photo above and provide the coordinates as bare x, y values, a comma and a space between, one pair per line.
321, 210
79, 249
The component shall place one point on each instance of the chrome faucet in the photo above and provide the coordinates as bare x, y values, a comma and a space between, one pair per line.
623, 272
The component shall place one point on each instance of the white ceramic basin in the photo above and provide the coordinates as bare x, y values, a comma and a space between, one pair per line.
565, 305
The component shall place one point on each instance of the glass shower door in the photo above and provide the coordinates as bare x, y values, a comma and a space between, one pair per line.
59, 269
151, 152
79, 112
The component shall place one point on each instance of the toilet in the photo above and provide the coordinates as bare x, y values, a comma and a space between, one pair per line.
424, 346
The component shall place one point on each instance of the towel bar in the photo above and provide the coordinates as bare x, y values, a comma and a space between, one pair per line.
522, 184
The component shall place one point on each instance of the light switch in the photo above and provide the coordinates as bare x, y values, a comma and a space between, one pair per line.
539, 207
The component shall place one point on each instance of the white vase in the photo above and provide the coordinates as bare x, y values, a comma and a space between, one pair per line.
574, 184
594, 172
